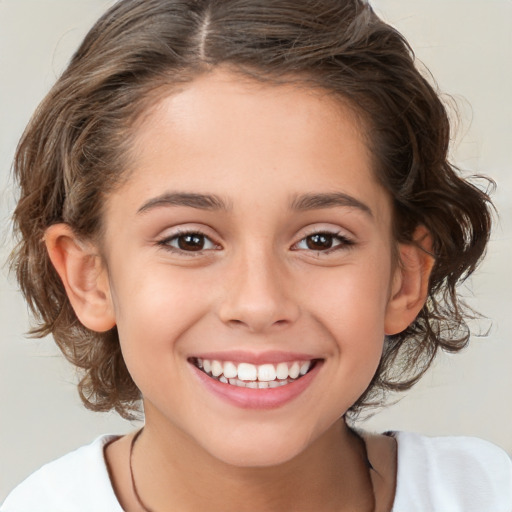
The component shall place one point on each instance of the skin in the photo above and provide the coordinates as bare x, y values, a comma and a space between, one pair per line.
259, 285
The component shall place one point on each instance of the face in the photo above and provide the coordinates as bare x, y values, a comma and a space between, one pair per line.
250, 266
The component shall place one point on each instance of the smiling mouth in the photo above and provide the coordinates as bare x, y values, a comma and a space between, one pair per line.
247, 375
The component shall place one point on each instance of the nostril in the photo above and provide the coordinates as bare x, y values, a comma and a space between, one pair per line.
254, 325
234, 321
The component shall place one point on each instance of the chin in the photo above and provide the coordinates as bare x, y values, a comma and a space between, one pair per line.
257, 458
258, 451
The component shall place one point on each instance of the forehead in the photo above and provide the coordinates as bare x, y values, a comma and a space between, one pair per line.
221, 100
228, 135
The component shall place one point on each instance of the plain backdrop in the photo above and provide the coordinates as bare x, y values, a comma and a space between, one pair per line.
467, 46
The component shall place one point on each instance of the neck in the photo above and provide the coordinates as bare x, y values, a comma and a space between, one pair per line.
173, 473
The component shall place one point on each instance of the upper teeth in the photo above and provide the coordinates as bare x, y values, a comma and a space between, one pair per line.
251, 372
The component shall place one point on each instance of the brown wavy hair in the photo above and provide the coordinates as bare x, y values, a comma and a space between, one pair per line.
76, 150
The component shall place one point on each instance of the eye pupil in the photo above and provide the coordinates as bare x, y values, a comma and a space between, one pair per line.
319, 241
191, 242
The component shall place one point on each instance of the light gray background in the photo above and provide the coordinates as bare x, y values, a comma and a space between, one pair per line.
465, 43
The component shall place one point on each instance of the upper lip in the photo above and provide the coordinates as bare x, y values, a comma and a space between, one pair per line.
256, 358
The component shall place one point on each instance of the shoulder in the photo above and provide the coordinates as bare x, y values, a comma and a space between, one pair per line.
76, 482
451, 474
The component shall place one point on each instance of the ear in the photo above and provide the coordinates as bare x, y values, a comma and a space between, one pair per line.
410, 284
84, 276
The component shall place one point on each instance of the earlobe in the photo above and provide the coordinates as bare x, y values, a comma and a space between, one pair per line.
83, 275
411, 282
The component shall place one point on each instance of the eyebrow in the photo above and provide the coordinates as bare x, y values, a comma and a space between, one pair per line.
213, 202
192, 200
329, 200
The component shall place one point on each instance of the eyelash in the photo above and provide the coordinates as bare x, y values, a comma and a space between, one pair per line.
166, 242
344, 242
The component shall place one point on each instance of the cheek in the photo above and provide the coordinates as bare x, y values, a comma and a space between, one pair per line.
352, 297
351, 306
154, 308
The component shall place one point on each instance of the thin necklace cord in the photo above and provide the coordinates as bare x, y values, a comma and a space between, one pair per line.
147, 509
134, 486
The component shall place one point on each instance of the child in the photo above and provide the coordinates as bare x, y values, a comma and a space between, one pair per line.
241, 215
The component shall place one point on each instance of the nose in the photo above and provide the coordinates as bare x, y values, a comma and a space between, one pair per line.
258, 294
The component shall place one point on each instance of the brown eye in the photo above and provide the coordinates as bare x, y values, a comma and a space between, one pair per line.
320, 241
191, 242
323, 242
188, 242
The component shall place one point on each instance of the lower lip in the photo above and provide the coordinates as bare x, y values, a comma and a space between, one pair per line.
250, 398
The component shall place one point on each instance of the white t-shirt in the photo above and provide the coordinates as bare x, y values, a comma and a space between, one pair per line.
441, 474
